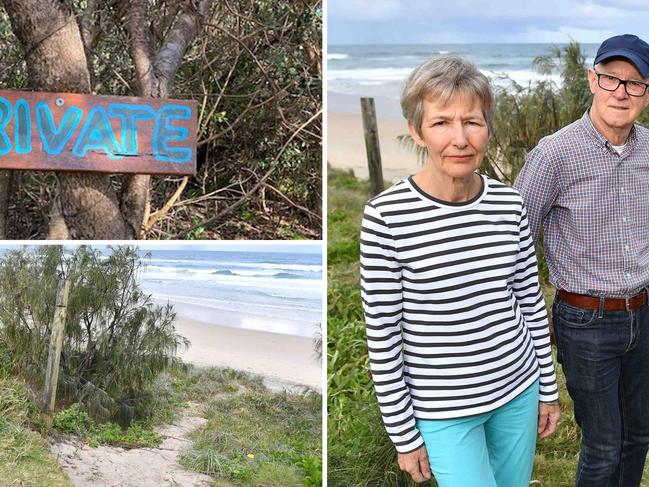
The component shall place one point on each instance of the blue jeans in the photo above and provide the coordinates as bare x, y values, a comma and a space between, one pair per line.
605, 358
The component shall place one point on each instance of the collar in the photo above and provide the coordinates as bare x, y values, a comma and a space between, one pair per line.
590, 129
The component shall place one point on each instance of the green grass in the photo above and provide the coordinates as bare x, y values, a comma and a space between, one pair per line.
359, 452
260, 438
25, 459
253, 437
74, 421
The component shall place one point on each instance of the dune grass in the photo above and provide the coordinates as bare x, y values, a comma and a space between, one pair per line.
254, 436
25, 459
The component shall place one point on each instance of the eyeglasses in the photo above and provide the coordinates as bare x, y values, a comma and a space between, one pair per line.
610, 83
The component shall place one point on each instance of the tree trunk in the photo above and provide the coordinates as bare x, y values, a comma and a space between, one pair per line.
87, 206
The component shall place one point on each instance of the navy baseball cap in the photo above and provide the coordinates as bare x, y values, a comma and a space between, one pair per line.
626, 46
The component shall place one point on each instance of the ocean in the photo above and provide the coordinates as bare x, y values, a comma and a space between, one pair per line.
267, 291
380, 70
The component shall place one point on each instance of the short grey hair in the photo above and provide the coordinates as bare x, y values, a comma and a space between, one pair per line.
441, 78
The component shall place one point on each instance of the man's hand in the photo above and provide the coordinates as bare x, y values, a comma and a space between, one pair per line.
416, 464
549, 415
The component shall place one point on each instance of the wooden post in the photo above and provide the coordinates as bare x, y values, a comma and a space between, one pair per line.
372, 145
54, 355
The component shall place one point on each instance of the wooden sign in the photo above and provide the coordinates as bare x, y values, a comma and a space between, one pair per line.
110, 134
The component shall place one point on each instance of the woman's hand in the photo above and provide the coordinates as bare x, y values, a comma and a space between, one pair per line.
416, 464
549, 414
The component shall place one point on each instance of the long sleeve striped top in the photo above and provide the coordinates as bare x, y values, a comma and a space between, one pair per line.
455, 319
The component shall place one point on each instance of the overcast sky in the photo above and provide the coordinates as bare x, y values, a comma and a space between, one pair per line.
482, 21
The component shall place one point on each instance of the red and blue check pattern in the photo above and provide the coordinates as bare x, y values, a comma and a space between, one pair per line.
593, 207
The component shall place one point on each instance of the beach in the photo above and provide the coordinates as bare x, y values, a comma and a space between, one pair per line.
346, 146
279, 357
379, 71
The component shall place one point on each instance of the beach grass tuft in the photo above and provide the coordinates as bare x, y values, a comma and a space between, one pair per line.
260, 437
25, 459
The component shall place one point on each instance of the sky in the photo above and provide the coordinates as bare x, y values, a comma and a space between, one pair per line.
483, 21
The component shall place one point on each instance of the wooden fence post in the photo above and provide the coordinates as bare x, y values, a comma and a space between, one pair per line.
54, 355
372, 145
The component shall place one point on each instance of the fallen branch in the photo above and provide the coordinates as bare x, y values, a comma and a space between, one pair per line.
166, 207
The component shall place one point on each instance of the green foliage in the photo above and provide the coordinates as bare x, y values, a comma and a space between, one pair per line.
255, 69
359, 453
258, 437
74, 421
116, 341
24, 456
312, 470
136, 436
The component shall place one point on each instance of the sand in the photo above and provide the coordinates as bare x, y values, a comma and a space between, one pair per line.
346, 146
105, 466
283, 359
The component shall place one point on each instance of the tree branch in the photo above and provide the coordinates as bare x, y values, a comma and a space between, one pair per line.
181, 34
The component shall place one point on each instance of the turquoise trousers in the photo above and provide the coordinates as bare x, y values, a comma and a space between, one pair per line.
494, 449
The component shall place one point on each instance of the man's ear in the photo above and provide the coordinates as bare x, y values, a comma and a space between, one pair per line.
415, 136
592, 80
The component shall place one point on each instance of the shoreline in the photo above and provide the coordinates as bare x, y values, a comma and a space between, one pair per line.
285, 361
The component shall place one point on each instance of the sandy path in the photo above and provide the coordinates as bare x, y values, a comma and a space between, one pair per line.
108, 466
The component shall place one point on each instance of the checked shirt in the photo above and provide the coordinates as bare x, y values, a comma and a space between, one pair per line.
593, 207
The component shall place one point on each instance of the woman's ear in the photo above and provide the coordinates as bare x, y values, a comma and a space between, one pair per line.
415, 136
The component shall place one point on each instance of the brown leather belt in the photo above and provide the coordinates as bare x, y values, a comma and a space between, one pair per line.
610, 304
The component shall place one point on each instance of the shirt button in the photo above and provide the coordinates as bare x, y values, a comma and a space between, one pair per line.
624, 219
621, 190
626, 247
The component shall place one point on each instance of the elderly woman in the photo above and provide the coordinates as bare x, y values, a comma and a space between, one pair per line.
456, 324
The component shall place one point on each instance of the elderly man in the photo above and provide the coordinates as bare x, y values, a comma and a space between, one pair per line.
587, 188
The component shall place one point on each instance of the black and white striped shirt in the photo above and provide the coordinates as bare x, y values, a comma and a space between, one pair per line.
456, 323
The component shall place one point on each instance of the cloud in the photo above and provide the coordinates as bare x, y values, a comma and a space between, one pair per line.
419, 21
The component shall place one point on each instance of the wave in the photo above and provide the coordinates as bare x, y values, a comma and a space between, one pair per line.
336, 55
181, 264
224, 273
276, 275
371, 74
385, 76
233, 280
287, 306
520, 76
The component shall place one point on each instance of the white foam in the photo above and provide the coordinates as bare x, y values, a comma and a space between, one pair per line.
371, 74
336, 55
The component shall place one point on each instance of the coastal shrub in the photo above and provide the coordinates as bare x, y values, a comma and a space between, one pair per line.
259, 437
74, 421
116, 340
